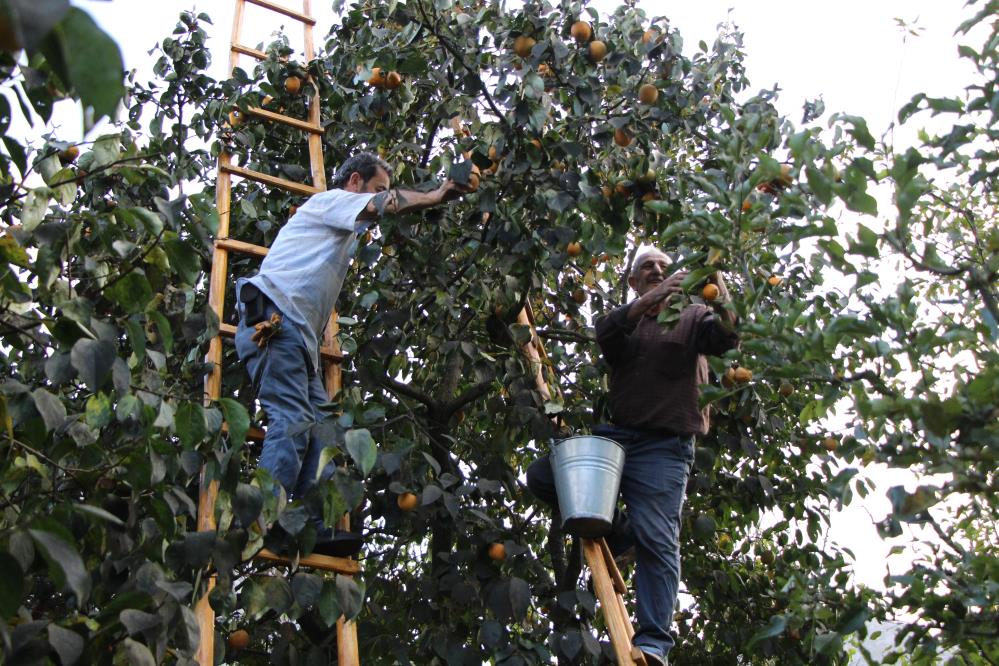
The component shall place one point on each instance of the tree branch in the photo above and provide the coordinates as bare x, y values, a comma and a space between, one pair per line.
408, 391
565, 335
467, 396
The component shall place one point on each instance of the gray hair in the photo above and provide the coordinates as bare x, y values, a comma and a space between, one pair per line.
638, 260
364, 163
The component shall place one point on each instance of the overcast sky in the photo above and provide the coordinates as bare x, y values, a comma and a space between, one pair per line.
851, 53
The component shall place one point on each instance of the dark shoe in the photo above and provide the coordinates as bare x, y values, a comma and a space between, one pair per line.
341, 544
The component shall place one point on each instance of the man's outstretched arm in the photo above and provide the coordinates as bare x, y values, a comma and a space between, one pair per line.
395, 200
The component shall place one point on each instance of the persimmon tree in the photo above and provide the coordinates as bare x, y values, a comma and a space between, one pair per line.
105, 327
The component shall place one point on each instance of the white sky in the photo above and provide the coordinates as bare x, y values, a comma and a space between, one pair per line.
851, 53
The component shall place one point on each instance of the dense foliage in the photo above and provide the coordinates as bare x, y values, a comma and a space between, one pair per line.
104, 328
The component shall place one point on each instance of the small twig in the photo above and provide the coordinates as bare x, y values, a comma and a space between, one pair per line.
623, 284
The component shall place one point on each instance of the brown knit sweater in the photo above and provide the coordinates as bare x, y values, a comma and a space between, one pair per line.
656, 371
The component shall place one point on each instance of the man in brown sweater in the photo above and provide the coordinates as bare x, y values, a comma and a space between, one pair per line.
656, 372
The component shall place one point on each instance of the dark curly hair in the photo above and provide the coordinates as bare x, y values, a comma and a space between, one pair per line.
364, 163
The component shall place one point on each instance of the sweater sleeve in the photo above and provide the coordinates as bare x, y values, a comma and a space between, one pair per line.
613, 330
713, 337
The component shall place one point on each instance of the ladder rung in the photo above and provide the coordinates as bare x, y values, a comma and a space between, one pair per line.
241, 247
287, 120
340, 565
274, 181
327, 353
274, 7
246, 50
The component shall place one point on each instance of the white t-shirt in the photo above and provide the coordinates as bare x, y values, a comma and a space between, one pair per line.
305, 267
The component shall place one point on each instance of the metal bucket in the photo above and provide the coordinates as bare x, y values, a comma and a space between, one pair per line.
587, 473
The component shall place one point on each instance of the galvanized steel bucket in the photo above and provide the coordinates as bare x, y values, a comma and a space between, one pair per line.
587, 473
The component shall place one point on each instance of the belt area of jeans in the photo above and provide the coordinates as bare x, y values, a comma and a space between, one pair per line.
667, 434
253, 304
658, 433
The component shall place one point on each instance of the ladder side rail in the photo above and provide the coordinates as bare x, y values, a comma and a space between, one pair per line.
615, 616
213, 388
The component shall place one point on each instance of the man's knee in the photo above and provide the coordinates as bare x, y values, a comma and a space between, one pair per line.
541, 481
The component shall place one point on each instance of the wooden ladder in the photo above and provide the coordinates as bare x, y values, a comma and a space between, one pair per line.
347, 652
607, 579
610, 589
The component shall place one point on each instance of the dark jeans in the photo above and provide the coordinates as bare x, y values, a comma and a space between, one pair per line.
653, 486
290, 392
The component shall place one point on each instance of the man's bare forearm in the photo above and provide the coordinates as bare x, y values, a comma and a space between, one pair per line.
395, 201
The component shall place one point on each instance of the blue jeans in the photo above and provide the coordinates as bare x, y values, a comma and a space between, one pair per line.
289, 392
653, 487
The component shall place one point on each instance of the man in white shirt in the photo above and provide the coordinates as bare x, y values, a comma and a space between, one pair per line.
300, 280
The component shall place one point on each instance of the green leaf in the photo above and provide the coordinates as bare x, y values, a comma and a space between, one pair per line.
860, 131
137, 622
183, 259
64, 189
349, 595
306, 588
819, 184
855, 620
264, 594
911, 107
862, 202
132, 292
93, 359
150, 220
98, 512
35, 206
165, 416
910, 507
98, 410
361, 447
520, 597
163, 326
48, 167
827, 642
11, 252
768, 169
329, 609
94, 63
67, 644
704, 527
797, 142
776, 627
237, 419
941, 417
247, 504
11, 585
945, 105
35, 19
65, 565
50, 407
189, 424
325, 456
134, 653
